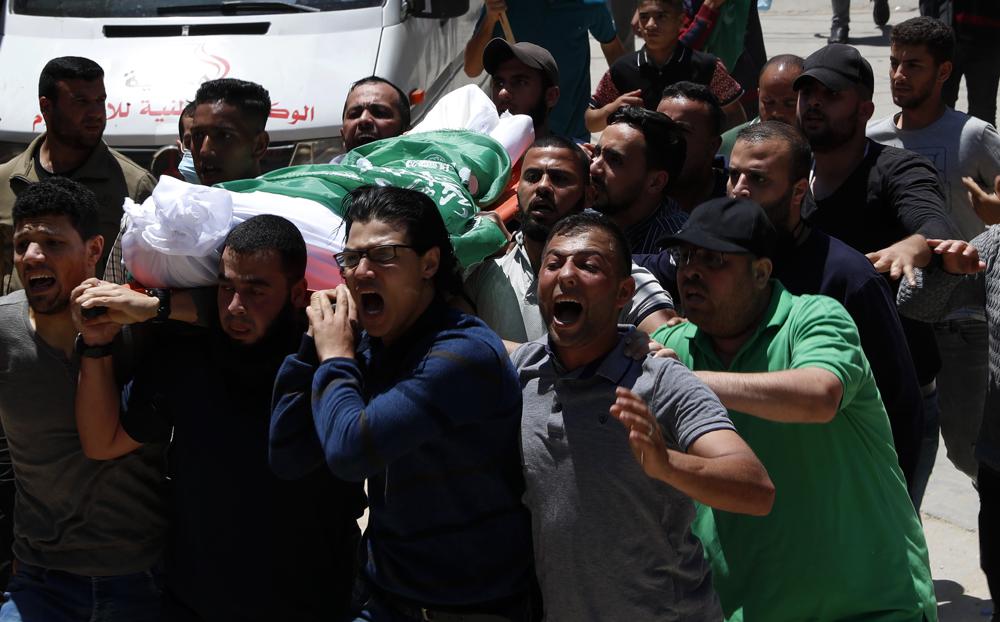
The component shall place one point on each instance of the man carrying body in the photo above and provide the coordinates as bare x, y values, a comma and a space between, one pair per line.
560, 28
770, 165
524, 79
243, 544
553, 185
799, 389
86, 533
880, 200
72, 101
776, 100
697, 112
228, 141
375, 109
424, 404
611, 501
960, 147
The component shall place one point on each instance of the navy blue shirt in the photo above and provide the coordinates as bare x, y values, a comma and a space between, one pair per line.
242, 543
432, 421
820, 264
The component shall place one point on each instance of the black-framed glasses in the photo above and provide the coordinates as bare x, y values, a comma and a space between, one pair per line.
710, 259
381, 254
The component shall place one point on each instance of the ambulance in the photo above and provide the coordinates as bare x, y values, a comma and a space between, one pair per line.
155, 54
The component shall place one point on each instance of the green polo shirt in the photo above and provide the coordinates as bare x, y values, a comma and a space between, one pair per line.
842, 541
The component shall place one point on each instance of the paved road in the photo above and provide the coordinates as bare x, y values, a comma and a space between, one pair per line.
951, 505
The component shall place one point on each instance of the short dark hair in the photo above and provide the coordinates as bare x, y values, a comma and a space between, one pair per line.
588, 220
933, 33
59, 196
790, 135
252, 100
674, 5
402, 106
698, 93
66, 68
267, 232
784, 59
553, 141
186, 113
665, 143
418, 216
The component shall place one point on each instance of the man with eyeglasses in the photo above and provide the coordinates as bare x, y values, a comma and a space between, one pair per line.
842, 540
425, 405
770, 165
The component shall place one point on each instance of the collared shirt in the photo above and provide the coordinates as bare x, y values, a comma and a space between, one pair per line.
645, 236
611, 543
842, 516
504, 291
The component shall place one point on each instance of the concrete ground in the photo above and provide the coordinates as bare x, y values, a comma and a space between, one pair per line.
951, 506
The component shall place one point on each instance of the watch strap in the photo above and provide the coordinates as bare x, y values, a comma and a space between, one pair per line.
163, 310
83, 349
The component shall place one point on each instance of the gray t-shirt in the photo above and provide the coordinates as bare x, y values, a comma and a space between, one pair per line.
505, 293
959, 146
88, 517
612, 543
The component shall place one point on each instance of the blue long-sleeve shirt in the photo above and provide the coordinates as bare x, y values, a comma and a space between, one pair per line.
433, 422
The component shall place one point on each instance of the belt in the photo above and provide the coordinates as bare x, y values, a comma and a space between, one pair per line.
514, 609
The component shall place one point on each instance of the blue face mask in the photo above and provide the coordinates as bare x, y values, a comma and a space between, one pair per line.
186, 168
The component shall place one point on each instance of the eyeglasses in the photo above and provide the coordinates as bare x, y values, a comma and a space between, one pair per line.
382, 255
710, 259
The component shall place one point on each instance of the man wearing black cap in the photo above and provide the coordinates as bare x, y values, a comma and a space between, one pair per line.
883, 201
524, 79
799, 389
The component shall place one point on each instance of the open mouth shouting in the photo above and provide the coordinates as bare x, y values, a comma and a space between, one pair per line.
566, 311
372, 304
39, 283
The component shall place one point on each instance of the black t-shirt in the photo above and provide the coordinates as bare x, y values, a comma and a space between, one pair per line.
892, 194
819, 264
243, 544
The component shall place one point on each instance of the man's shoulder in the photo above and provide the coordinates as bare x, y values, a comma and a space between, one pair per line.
882, 130
135, 176
530, 355
467, 333
834, 259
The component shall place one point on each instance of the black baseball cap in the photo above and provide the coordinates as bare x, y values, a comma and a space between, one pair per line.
838, 67
534, 56
728, 225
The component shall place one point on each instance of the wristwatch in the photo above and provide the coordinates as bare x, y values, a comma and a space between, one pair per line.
163, 310
88, 351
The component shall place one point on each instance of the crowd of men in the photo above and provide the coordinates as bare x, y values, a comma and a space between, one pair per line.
704, 380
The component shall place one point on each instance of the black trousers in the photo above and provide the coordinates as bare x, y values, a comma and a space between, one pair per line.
989, 529
982, 76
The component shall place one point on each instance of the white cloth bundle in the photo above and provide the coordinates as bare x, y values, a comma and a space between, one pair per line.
174, 238
469, 108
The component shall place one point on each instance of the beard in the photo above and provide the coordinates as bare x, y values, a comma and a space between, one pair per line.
540, 113
912, 99
539, 231
778, 212
830, 136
